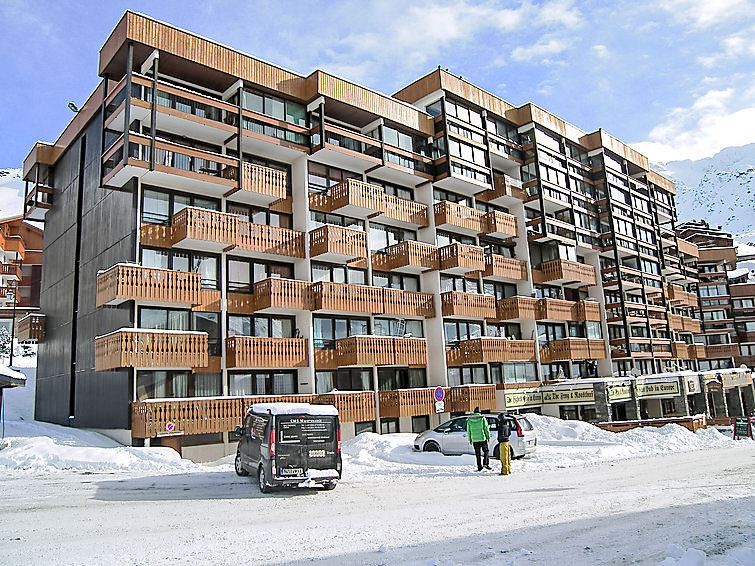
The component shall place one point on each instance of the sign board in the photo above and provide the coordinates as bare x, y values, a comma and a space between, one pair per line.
170, 426
523, 398
440, 407
617, 393
569, 396
735, 380
742, 427
693, 384
439, 394
658, 389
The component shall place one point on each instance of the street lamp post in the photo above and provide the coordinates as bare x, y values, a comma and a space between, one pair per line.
11, 296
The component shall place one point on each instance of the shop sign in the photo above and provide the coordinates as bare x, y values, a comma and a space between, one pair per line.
568, 396
658, 389
619, 393
735, 380
693, 384
523, 398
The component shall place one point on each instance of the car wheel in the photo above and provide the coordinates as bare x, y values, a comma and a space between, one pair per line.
329, 485
496, 452
431, 446
238, 466
513, 457
264, 488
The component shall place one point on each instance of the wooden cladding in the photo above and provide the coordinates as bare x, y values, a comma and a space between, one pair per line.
491, 350
468, 397
258, 352
31, 327
721, 350
373, 351
353, 406
471, 305
357, 194
151, 349
567, 311
680, 297
338, 241
567, 271
408, 303
406, 211
680, 323
498, 223
697, 351
498, 266
461, 257
277, 293
512, 308
228, 231
261, 180
10, 270
409, 254
457, 215
573, 349
129, 282
420, 401
344, 297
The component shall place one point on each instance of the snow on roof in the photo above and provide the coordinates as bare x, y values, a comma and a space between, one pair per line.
294, 409
736, 273
11, 378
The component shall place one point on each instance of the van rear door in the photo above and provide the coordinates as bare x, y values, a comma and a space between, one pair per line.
305, 442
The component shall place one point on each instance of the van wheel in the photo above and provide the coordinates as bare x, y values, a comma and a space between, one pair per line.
515, 457
496, 452
240, 471
329, 485
264, 488
431, 447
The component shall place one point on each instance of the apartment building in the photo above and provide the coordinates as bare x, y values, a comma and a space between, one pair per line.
220, 230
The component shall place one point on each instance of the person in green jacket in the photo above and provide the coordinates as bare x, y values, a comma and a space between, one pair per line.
478, 434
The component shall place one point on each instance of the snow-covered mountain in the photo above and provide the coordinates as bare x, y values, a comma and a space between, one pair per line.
11, 192
719, 189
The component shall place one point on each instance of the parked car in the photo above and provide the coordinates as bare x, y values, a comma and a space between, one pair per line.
450, 437
290, 444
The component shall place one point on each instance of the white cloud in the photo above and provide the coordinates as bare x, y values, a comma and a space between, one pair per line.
715, 120
732, 47
540, 50
601, 51
11, 193
706, 13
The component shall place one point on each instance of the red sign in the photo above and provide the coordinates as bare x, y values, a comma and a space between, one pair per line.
169, 426
440, 394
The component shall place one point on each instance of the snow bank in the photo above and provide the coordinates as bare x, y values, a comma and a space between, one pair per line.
678, 556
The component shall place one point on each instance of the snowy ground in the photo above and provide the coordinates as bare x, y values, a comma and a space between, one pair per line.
648, 496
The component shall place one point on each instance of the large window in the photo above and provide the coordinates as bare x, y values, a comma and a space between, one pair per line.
394, 190
257, 215
390, 379
398, 327
317, 219
153, 318
178, 260
322, 177
463, 113
513, 372
466, 375
170, 384
448, 238
343, 379
456, 330
547, 332
286, 110
403, 281
244, 273
338, 274
440, 195
459, 283
263, 383
382, 236
328, 329
261, 326
499, 290
160, 205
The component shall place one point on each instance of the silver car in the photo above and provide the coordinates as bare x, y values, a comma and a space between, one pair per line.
451, 437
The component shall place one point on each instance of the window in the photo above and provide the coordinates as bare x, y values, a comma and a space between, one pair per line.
467, 152
388, 426
394, 190
459, 283
287, 110
317, 219
344, 379
448, 238
456, 330
263, 383
499, 290
435, 109
167, 384
257, 215
338, 274
366, 426
395, 281
713, 290
547, 332
382, 236
420, 424
466, 375
440, 195
463, 113
519, 372
261, 326
390, 379
322, 177
510, 330
328, 329
160, 205
398, 327
174, 319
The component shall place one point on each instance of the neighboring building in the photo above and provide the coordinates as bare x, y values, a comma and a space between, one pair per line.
20, 273
257, 232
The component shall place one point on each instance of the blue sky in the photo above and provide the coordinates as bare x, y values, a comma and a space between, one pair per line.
676, 78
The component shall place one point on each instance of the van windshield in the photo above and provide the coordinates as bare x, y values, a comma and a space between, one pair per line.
306, 429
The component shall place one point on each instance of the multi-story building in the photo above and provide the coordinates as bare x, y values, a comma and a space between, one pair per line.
219, 230
20, 275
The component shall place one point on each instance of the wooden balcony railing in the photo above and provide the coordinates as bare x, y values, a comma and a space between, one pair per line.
466, 398
517, 307
353, 406
681, 297
675, 322
458, 216
721, 351
257, 352
338, 241
131, 282
348, 298
461, 257
691, 325
408, 303
205, 225
555, 309
586, 311
270, 239
377, 350
408, 255
10, 270
573, 349
499, 224
697, 351
455, 303
500, 267
15, 244
405, 211
133, 347
353, 195
502, 187
490, 350
680, 350
567, 272
263, 180
687, 248
31, 327
407, 402
277, 293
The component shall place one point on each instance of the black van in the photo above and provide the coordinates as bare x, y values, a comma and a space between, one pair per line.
290, 444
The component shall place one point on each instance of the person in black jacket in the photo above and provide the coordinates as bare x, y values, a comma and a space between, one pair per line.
504, 451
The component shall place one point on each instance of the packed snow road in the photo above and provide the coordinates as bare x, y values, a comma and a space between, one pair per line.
620, 512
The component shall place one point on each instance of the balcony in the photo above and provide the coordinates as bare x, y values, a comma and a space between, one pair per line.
356, 198
335, 243
687, 248
498, 224
566, 273
256, 352
556, 309
138, 348
269, 242
259, 186
721, 351
346, 149
573, 349
37, 202
204, 230
404, 212
691, 325
506, 191
461, 258
468, 305
14, 248
680, 350
353, 406
466, 398
697, 351
10, 271
458, 218
490, 350
373, 351
514, 308
500, 268
407, 402
131, 282
31, 327
408, 303
347, 298
586, 311
408, 257
680, 297
279, 294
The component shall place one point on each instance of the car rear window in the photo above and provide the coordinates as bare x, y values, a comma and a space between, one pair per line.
526, 425
306, 429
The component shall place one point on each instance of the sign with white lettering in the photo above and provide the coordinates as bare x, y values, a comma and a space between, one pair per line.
519, 398
658, 389
618, 393
568, 396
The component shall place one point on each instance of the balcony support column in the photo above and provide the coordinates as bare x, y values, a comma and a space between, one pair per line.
105, 80
602, 406
376, 387
633, 405
153, 111
127, 103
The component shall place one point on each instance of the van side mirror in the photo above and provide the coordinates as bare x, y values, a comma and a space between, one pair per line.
239, 432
